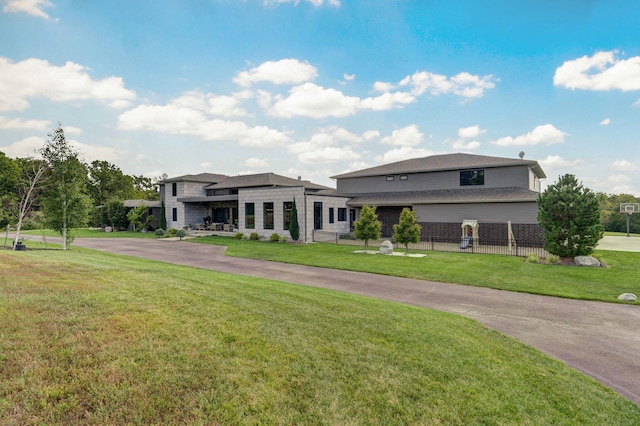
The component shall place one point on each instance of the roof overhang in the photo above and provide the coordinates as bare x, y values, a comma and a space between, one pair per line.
209, 199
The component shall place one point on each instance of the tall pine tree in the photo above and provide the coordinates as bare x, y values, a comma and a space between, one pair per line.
294, 227
368, 227
407, 230
569, 214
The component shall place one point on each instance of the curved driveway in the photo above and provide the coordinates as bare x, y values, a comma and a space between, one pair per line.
600, 339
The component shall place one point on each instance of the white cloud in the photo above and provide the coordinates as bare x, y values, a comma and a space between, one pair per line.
605, 122
463, 84
636, 103
256, 163
466, 145
407, 136
311, 100
624, 165
37, 78
284, 71
381, 86
348, 77
555, 162
174, 119
28, 147
546, 134
328, 154
31, 7
602, 71
387, 101
470, 132
371, 134
221, 105
403, 153
20, 124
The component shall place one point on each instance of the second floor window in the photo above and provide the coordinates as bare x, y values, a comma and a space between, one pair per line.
174, 189
471, 177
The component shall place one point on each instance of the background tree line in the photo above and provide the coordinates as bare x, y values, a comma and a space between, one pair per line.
60, 191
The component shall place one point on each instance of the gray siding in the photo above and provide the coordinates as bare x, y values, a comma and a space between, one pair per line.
502, 177
487, 212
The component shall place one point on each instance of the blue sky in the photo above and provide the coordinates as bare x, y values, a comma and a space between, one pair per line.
315, 88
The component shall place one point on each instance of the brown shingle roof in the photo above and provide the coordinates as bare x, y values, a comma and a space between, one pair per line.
201, 177
434, 163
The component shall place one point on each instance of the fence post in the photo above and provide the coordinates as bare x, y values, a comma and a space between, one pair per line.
336, 238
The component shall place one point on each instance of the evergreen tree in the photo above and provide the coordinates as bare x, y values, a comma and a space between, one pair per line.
163, 217
569, 214
66, 205
368, 227
407, 230
294, 227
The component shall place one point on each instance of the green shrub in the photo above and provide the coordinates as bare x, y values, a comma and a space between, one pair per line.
532, 258
254, 236
181, 233
172, 232
553, 259
239, 236
274, 238
283, 239
159, 232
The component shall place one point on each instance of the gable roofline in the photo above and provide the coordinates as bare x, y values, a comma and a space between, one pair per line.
209, 178
443, 162
264, 180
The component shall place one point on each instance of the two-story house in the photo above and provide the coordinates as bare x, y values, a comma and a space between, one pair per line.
445, 190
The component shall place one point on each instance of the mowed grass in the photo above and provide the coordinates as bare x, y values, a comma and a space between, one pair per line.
37, 234
500, 272
95, 338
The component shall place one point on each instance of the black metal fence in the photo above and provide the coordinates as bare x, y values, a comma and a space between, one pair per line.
461, 245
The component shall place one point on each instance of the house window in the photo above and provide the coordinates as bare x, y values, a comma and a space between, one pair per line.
174, 214
472, 177
249, 216
287, 208
404, 177
174, 189
268, 216
389, 178
331, 215
342, 214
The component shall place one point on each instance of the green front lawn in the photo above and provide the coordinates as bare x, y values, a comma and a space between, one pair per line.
94, 338
500, 272
36, 234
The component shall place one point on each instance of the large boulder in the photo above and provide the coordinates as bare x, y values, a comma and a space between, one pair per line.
628, 297
386, 247
587, 261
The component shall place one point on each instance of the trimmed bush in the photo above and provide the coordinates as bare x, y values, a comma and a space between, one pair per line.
254, 236
283, 239
181, 233
532, 258
274, 238
553, 259
159, 232
239, 236
172, 232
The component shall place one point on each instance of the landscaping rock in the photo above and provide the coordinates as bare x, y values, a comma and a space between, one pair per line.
628, 297
587, 261
108, 229
386, 247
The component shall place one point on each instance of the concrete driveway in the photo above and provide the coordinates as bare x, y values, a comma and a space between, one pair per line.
600, 339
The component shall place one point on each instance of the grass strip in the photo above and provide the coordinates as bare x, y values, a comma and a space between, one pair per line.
95, 338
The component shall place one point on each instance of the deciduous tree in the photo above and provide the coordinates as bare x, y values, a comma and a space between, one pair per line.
65, 202
407, 230
368, 227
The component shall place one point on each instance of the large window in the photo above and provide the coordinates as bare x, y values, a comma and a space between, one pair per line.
174, 189
249, 216
287, 207
472, 177
174, 214
268, 216
317, 215
331, 215
342, 214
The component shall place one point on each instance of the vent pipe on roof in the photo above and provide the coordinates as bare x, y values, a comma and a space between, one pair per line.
521, 155
299, 177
